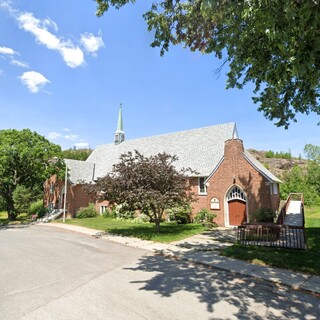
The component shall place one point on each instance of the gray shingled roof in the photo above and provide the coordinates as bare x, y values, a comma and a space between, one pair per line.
200, 149
80, 170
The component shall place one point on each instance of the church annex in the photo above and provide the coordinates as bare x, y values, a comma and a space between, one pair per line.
229, 181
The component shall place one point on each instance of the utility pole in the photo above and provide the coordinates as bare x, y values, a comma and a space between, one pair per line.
65, 193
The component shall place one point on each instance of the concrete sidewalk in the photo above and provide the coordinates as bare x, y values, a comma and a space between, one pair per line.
201, 249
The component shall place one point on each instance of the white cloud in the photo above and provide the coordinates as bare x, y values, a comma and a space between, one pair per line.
53, 135
45, 30
66, 138
6, 4
71, 54
7, 51
34, 80
2, 74
81, 145
91, 43
19, 63
71, 137
50, 23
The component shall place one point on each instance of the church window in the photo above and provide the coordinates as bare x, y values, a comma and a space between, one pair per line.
202, 185
236, 193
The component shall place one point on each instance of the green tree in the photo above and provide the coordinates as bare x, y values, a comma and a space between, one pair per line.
22, 197
293, 181
25, 160
76, 154
312, 152
149, 184
313, 171
305, 180
273, 44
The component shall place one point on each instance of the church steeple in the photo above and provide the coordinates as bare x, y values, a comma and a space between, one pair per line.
119, 135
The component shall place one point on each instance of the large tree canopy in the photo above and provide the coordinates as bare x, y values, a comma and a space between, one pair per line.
273, 44
149, 184
25, 160
304, 179
76, 154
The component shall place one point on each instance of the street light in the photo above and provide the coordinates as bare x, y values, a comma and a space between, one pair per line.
65, 193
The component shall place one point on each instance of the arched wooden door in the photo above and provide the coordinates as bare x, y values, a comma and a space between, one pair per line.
237, 212
236, 199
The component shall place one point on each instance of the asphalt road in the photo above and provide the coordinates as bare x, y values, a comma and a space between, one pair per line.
47, 273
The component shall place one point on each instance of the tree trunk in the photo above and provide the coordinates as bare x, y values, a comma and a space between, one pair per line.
157, 225
12, 215
158, 216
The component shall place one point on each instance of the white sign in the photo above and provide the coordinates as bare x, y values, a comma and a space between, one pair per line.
214, 204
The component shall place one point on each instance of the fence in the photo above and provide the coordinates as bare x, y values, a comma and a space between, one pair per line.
272, 235
276, 234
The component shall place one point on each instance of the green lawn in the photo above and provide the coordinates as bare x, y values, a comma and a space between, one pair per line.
21, 219
299, 260
170, 231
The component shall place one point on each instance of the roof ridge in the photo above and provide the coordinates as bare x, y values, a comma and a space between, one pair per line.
171, 133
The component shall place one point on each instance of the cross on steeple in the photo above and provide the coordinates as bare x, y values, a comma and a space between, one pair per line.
119, 135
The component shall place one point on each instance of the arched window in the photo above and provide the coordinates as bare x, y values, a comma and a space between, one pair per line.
236, 193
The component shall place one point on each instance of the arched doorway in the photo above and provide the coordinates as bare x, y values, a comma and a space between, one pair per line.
237, 209
61, 199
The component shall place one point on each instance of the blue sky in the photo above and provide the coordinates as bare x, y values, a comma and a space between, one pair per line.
63, 73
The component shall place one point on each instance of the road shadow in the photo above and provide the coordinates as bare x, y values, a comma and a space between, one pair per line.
211, 240
247, 297
15, 226
223, 235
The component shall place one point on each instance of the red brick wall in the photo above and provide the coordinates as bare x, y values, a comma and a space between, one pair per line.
275, 200
236, 170
98, 204
77, 198
201, 199
52, 197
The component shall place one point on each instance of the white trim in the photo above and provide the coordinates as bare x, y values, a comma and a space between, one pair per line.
275, 188
269, 178
236, 193
215, 169
103, 208
204, 184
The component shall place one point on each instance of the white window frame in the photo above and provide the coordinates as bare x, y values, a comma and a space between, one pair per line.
204, 186
236, 193
103, 208
275, 188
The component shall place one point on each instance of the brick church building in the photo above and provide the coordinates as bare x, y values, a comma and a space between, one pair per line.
230, 181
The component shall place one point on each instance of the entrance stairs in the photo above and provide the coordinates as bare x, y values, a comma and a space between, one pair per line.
52, 215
